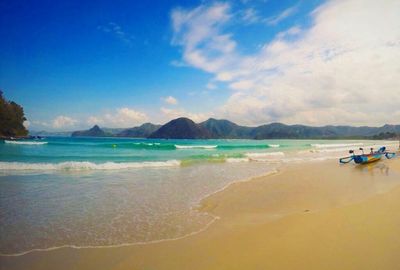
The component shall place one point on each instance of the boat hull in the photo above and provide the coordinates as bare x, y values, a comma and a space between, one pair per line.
364, 159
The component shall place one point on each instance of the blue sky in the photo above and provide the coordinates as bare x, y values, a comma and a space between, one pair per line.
72, 64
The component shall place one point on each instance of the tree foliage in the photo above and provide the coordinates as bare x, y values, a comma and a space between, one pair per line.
11, 118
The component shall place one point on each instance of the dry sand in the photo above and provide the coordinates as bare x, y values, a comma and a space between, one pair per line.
308, 216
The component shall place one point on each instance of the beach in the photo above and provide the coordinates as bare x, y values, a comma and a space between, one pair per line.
200, 135
314, 215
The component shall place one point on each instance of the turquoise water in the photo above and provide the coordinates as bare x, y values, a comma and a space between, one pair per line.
120, 153
100, 150
111, 191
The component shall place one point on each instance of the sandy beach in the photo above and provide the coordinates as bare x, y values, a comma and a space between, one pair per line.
318, 215
200, 135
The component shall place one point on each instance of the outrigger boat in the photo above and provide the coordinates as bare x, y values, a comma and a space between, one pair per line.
367, 158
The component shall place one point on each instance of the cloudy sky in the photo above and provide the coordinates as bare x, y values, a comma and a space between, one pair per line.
73, 64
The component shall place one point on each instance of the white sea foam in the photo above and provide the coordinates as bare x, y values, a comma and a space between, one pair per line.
308, 159
149, 144
265, 156
84, 165
336, 145
25, 142
330, 150
195, 146
348, 147
234, 160
274, 145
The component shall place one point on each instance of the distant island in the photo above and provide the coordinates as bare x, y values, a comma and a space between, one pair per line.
12, 119
185, 128
142, 131
95, 131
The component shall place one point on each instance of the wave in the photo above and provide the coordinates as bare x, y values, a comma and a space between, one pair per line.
152, 145
331, 150
25, 142
159, 146
257, 157
274, 145
235, 160
226, 147
214, 158
243, 146
142, 145
265, 156
117, 145
195, 146
148, 144
346, 149
336, 145
88, 166
85, 165
248, 146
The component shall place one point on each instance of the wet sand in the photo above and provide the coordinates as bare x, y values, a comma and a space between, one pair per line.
319, 215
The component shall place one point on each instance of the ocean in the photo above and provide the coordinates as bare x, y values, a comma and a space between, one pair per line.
98, 192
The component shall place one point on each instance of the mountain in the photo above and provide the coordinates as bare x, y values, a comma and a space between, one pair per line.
184, 128
282, 131
225, 129
142, 131
181, 128
95, 131
279, 131
113, 131
11, 119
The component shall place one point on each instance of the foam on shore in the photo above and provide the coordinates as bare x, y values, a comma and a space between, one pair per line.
85, 165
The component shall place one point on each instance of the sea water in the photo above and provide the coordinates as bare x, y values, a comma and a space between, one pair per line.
96, 192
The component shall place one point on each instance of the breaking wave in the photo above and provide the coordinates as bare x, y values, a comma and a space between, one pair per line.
195, 146
85, 165
25, 142
248, 146
274, 145
163, 146
336, 145
265, 155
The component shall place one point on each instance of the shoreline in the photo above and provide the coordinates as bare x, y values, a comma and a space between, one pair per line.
228, 207
196, 208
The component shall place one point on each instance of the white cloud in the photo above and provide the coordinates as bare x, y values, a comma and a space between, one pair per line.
62, 122
122, 117
344, 69
170, 100
93, 120
293, 31
27, 124
211, 86
40, 123
250, 16
242, 85
282, 16
198, 32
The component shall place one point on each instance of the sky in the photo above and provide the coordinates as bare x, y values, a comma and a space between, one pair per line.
73, 64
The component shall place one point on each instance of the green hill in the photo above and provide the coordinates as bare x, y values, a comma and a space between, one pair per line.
95, 131
181, 128
142, 131
11, 119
